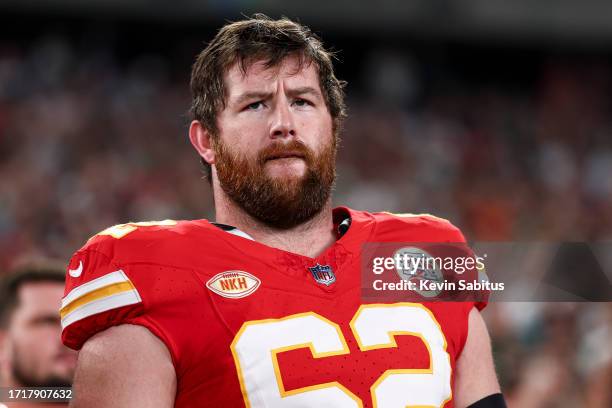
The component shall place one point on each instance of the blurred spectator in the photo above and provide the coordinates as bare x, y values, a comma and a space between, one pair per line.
31, 352
90, 141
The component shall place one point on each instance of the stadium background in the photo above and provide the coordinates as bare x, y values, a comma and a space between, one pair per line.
495, 115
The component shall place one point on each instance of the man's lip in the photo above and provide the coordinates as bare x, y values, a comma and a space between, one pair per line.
288, 155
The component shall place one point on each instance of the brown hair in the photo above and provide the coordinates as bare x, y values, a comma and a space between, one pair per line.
259, 38
46, 270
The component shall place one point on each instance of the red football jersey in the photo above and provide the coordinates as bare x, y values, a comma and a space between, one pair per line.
250, 325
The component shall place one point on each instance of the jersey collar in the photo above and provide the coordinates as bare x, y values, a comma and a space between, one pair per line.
342, 223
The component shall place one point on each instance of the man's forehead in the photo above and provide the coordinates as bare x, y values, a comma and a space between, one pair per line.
38, 293
258, 74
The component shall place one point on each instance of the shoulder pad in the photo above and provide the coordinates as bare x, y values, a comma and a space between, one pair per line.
415, 217
99, 292
121, 230
441, 227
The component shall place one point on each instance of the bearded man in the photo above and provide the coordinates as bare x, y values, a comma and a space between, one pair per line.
262, 307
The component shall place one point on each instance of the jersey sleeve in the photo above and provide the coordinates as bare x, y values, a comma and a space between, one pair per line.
479, 300
98, 294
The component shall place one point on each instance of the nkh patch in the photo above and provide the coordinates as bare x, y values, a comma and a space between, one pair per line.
233, 284
323, 274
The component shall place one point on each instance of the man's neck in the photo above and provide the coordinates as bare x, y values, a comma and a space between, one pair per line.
309, 238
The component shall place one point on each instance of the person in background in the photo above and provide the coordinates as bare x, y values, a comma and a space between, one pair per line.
31, 351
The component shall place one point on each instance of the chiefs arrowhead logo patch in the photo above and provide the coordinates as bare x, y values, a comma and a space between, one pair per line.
233, 284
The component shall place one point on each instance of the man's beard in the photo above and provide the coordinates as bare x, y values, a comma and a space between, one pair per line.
25, 376
278, 202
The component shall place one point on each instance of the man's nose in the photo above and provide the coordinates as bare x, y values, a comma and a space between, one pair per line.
283, 125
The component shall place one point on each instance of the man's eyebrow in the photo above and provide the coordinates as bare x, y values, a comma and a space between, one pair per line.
305, 90
261, 95
46, 318
251, 96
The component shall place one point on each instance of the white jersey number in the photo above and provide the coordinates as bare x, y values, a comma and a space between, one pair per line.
374, 326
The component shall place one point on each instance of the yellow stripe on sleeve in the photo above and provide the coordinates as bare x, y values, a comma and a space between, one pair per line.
97, 294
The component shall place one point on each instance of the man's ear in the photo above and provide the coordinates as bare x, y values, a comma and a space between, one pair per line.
200, 138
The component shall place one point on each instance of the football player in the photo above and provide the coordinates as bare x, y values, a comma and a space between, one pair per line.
262, 307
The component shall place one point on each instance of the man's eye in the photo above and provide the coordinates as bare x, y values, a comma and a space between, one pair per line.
254, 106
301, 102
46, 321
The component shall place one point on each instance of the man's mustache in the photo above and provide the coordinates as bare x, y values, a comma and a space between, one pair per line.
279, 150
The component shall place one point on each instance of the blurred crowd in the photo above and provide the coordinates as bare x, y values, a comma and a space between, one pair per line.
87, 141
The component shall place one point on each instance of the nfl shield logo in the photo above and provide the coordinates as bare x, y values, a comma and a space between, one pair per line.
323, 274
